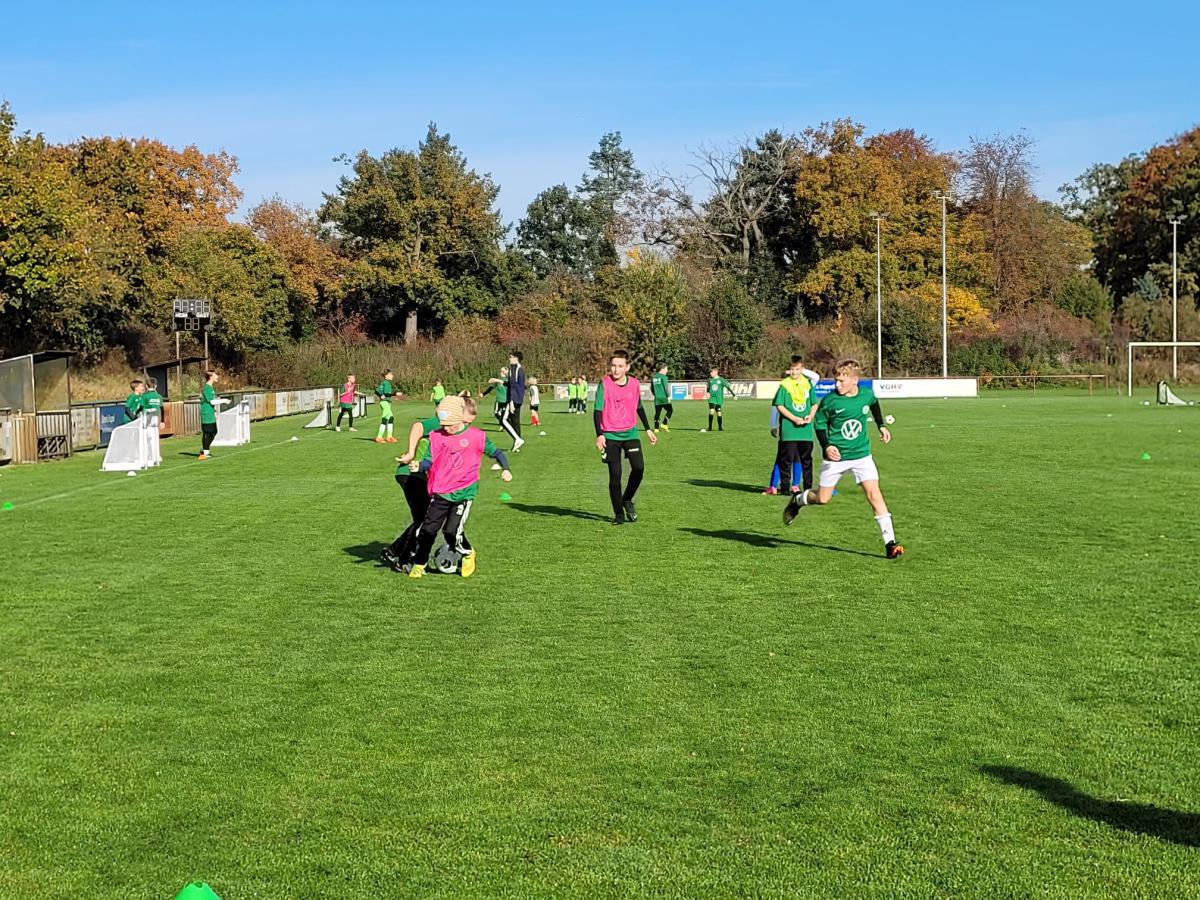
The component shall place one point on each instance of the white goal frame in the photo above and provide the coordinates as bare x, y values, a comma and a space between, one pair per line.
1129, 351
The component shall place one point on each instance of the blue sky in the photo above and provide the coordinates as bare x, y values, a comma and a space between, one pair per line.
526, 89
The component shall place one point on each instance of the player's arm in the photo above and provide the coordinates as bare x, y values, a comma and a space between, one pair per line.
646, 424
414, 437
597, 409
877, 415
828, 451
499, 456
491, 387
729, 387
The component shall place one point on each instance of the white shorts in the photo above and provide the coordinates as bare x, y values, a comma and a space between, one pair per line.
863, 469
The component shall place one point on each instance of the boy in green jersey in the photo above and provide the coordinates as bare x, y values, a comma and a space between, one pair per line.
662, 398
208, 414
500, 386
385, 390
717, 386
133, 403
841, 428
583, 389
794, 403
438, 394
152, 400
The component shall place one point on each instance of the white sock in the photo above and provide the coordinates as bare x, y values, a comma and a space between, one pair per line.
390, 426
801, 498
885, 527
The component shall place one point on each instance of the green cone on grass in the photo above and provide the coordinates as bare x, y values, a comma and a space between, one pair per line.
197, 890
505, 497
1145, 457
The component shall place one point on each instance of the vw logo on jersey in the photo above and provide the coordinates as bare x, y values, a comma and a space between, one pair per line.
851, 429
464, 443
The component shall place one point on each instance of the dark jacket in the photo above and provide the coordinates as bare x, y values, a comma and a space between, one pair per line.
516, 384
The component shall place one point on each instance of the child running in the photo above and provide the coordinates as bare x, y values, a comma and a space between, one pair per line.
500, 386
662, 398
385, 390
535, 397
456, 450
438, 394
841, 428
347, 398
617, 413
717, 386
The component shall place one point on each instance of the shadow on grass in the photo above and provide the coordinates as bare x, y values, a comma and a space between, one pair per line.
1141, 818
368, 553
539, 510
725, 485
758, 539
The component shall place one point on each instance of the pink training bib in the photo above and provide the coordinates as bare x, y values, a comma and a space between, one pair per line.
456, 459
620, 404
348, 392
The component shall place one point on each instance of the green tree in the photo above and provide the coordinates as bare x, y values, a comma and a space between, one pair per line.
422, 236
649, 298
561, 231
1083, 296
726, 326
614, 178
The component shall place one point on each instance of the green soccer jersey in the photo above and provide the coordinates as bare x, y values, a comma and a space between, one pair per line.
660, 388
844, 420
152, 402
716, 390
796, 398
502, 394
385, 390
630, 435
208, 412
471, 490
438, 394
133, 407
423, 454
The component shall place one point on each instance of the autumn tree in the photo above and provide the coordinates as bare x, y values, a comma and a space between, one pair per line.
649, 299
421, 234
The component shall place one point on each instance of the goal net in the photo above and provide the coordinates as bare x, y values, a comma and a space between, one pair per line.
1133, 347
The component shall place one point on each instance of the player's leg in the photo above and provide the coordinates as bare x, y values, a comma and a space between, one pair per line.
454, 534
830, 473
658, 411
637, 468
711, 408
783, 465
720, 418
804, 456
883, 518
435, 519
670, 407
613, 459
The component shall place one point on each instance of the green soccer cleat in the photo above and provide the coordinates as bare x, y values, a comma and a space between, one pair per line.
468, 564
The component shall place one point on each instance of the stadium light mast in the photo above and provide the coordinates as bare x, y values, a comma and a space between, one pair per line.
1175, 295
878, 217
943, 196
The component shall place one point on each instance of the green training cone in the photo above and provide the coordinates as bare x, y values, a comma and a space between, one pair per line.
7, 507
505, 497
197, 890
1145, 457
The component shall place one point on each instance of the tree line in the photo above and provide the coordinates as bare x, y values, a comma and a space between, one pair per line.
775, 235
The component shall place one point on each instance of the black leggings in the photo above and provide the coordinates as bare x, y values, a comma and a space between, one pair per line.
416, 494
666, 410
450, 518
790, 452
633, 453
346, 411
208, 434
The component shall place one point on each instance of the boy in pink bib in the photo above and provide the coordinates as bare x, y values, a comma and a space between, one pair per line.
456, 450
616, 415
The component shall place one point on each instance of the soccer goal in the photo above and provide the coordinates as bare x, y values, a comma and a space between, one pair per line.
1133, 345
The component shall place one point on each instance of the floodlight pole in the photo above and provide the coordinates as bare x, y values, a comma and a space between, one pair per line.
879, 217
944, 197
1175, 295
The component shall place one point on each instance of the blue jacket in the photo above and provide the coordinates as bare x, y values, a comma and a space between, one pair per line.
516, 384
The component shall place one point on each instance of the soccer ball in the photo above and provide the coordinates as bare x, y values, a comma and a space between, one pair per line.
890, 420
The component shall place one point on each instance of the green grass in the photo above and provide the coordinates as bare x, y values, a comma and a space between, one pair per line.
206, 676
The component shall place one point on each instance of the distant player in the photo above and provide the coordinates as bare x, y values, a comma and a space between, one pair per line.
794, 403
717, 386
456, 450
208, 414
347, 397
500, 386
385, 390
152, 400
617, 413
841, 429
133, 403
438, 394
663, 407
511, 421
535, 398
583, 389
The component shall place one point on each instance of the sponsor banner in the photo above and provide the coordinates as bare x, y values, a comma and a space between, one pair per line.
910, 388
699, 390
679, 391
742, 390
110, 417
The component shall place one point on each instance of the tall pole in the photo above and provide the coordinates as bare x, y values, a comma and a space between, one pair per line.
878, 298
1175, 296
945, 367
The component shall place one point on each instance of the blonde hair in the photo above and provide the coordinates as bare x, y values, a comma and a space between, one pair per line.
847, 366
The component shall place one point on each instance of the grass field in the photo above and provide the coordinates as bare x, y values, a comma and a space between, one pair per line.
206, 675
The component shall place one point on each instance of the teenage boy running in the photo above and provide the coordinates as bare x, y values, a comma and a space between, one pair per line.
456, 449
717, 386
841, 427
618, 410
385, 390
662, 398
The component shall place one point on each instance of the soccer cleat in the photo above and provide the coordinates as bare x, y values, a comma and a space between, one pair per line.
618, 520
666, 427
389, 559
795, 488
771, 492
391, 440
416, 572
337, 428
791, 510
354, 429
894, 550
380, 440
202, 457
630, 511
468, 564
518, 444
